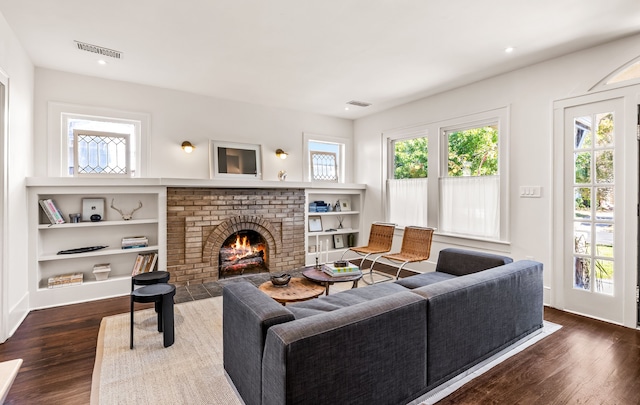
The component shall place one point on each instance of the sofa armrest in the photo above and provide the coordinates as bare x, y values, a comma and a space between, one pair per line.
349, 355
473, 317
460, 262
248, 314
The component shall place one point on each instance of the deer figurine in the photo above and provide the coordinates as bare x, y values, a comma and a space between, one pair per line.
126, 217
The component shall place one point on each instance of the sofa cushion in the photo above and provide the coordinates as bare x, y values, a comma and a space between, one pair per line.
342, 299
461, 262
420, 280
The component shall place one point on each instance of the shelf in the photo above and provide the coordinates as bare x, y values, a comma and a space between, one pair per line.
70, 225
85, 283
334, 213
95, 253
336, 232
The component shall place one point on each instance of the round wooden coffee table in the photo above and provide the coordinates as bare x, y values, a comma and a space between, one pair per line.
326, 280
298, 289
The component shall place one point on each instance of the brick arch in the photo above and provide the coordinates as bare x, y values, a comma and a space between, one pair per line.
232, 225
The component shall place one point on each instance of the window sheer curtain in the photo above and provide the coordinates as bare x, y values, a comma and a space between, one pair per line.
407, 201
470, 206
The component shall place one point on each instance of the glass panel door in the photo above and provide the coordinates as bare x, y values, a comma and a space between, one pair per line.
594, 271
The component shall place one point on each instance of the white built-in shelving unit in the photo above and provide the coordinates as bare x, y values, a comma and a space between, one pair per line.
351, 223
46, 240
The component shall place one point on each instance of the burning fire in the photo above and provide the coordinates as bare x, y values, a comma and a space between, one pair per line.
242, 247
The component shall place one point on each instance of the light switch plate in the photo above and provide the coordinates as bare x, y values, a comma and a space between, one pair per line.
530, 191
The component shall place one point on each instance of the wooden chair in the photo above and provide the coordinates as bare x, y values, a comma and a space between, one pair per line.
380, 240
416, 247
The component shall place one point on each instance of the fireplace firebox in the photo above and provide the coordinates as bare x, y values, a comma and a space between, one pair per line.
243, 250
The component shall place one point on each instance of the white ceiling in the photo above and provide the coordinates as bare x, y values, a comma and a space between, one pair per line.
312, 55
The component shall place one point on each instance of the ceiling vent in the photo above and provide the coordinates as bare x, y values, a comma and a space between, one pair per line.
99, 50
358, 103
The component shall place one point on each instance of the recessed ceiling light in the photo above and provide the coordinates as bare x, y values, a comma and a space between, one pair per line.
102, 62
509, 49
346, 108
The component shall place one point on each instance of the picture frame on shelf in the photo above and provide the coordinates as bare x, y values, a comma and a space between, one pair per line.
91, 207
315, 223
338, 241
345, 205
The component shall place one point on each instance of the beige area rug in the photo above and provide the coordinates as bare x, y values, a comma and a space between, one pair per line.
188, 372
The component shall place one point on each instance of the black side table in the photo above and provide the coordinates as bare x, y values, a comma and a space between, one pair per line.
162, 296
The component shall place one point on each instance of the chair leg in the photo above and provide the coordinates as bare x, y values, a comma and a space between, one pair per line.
361, 259
400, 269
387, 277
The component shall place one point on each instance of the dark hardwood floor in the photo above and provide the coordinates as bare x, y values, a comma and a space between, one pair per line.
585, 362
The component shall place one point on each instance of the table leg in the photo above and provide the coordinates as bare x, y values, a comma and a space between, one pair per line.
131, 326
159, 304
167, 320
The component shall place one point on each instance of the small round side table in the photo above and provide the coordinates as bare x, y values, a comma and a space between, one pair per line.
161, 295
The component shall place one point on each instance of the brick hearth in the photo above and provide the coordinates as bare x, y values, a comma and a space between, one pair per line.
200, 219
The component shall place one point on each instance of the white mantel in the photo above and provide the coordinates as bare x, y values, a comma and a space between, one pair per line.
170, 182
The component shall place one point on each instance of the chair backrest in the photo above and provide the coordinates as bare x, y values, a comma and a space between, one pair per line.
416, 242
381, 236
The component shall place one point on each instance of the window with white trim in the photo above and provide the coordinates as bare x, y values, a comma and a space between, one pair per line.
469, 198
101, 146
112, 143
325, 158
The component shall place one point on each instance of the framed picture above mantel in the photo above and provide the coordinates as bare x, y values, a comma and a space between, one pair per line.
235, 160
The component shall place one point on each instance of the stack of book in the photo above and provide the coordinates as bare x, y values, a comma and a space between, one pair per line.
65, 280
348, 270
134, 242
145, 263
52, 212
318, 206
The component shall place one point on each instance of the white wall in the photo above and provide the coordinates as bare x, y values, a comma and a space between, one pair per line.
530, 93
179, 116
18, 67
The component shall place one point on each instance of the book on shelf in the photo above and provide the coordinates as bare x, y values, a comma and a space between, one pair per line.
152, 258
53, 213
349, 270
65, 280
134, 242
145, 262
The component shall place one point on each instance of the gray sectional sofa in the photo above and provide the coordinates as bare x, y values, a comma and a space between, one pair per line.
387, 343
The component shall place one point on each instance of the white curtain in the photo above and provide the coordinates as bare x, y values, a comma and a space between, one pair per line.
407, 201
470, 206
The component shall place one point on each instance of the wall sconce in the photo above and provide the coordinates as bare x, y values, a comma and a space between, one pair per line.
281, 154
187, 146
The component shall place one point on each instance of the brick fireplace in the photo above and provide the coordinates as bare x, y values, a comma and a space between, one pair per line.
200, 220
